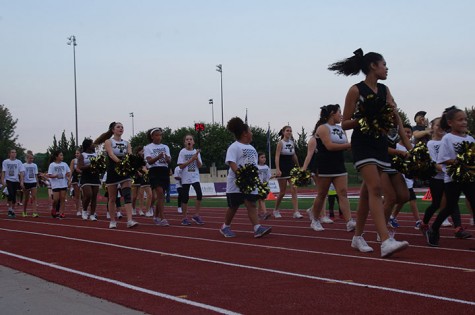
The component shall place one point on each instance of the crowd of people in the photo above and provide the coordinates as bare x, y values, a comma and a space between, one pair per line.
378, 136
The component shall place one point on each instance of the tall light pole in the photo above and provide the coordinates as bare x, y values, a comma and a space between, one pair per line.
211, 102
219, 68
133, 129
72, 42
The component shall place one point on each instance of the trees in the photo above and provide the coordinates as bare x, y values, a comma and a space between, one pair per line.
471, 119
68, 147
301, 146
8, 139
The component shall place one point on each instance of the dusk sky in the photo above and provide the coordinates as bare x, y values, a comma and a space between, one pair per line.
157, 59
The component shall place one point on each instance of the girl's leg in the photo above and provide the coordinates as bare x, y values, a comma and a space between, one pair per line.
280, 196
160, 195
341, 186
185, 197
323, 183
94, 193
33, 192
112, 193
362, 211
295, 202
127, 194
86, 197
62, 200
26, 199
436, 187
331, 205
199, 197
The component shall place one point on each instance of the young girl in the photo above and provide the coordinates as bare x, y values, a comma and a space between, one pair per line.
369, 152
89, 181
436, 183
239, 154
454, 121
30, 183
59, 174
285, 160
116, 149
189, 160
76, 191
158, 157
331, 142
177, 176
12, 178
264, 176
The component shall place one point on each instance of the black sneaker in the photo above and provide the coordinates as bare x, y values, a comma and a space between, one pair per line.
433, 238
11, 214
461, 233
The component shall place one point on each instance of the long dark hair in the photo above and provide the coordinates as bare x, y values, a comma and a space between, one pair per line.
281, 132
237, 127
325, 113
54, 155
449, 114
106, 135
86, 144
356, 63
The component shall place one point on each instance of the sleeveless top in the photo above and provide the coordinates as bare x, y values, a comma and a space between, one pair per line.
337, 135
288, 147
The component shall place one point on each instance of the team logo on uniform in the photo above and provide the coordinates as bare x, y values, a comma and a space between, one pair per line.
250, 156
59, 170
156, 152
192, 166
11, 169
121, 147
289, 147
338, 132
436, 148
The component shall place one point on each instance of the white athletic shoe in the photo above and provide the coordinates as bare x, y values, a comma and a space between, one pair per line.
317, 226
297, 215
149, 213
310, 214
118, 215
92, 218
391, 246
359, 243
277, 214
112, 225
326, 220
446, 223
84, 215
78, 213
141, 213
179, 210
131, 224
350, 225
134, 212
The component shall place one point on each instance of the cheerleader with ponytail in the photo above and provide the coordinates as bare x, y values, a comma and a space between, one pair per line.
116, 149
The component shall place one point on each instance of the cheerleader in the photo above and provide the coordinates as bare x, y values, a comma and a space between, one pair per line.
90, 180
59, 174
116, 149
331, 142
369, 152
264, 177
30, 182
285, 160
454, 121
12, 178
76, 172
158, 157
240, 153
189, 160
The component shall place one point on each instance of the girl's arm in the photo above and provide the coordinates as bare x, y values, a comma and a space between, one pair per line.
295, 159
277, 158
233, 166
110, 151
324, 134
405, 141
311, 146
402, 153
350, 108
71, 165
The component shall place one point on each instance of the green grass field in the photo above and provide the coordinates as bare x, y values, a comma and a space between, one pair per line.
304, 203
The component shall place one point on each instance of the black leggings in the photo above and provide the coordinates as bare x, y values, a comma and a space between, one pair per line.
186, 192
452, 194
12, 188
331, 204
178, 199
436, 187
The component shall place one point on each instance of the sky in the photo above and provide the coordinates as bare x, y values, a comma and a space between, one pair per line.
158, 60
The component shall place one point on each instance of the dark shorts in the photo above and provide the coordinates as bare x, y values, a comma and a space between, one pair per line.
412, 194
286, 164
59, 189
237, 199
159, 177
29, 186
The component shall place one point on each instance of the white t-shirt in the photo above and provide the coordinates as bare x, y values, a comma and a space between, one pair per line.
448, 150
60, 169
434, 146
409, 182
12, 169
241, 154
31, 170
177, 176
264, 173
153, 150
189, 174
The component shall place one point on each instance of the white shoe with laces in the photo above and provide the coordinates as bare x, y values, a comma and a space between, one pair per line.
359, 243
84, 215
391, 246
326, 220
134, 212
277, 214
317, 226
446, 223
310, 214
112, 225
350, 225
297, 215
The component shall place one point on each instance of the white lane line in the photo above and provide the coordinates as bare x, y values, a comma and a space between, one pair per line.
227, 242
123, 284
286, 273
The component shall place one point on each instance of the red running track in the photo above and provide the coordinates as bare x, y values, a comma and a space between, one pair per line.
195, 269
